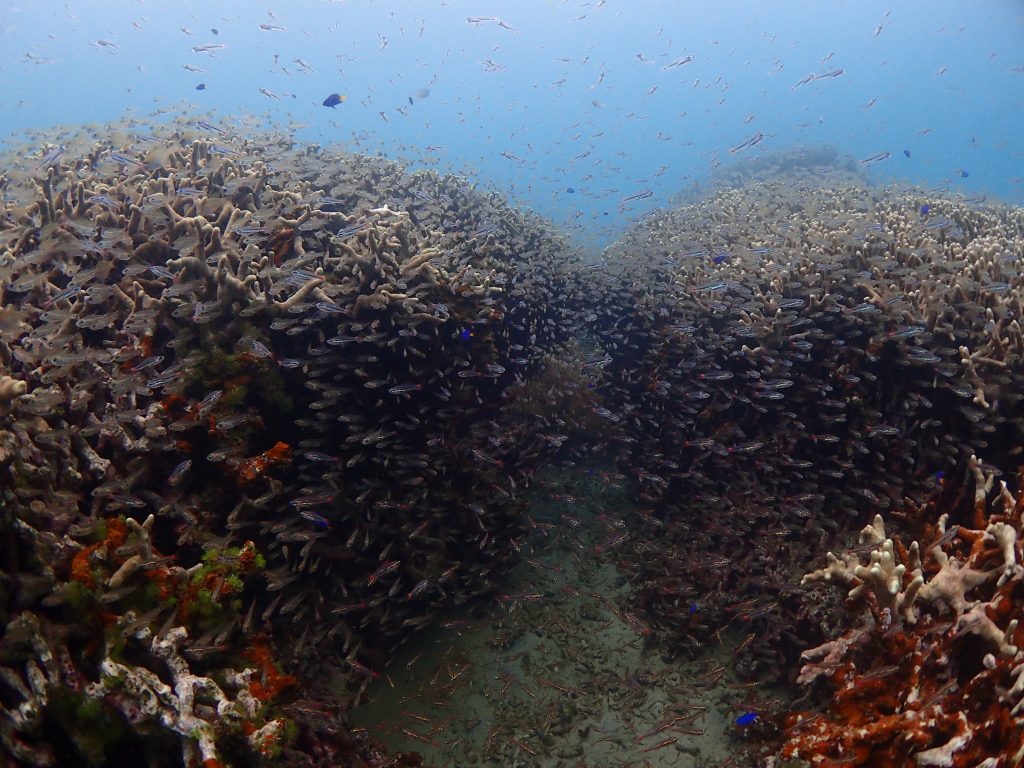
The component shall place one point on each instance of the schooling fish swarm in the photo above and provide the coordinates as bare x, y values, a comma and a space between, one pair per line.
256, 392
785, 357
253, 392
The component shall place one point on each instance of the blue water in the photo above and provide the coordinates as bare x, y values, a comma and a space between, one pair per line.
576, 90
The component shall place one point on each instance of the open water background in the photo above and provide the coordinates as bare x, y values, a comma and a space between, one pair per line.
577, 91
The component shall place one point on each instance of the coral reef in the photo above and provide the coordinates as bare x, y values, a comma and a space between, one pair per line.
784, 354
248, 400
267, 410
929, 673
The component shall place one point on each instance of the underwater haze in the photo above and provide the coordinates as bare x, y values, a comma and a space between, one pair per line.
590, 112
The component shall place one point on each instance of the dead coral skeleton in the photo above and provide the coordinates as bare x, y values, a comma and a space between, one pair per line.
193, 706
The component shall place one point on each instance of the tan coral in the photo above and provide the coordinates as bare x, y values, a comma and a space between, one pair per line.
11, 389
882, 577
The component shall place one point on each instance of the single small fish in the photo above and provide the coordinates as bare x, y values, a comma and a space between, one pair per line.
67, 293
104, 200
259, 349
50, 157
875, 158
208, 402
209, 127
334, 100
225, 425
419, 589
677, 63
401, 389
638, 196
149, 362
906, 152
315, 518
355, 229
160, 271
125, 160
746, 719
389, 566
163, 380
178, 475
326, 458
485, 230
752, 141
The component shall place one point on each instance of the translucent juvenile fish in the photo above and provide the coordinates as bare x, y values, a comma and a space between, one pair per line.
179, 473
51, 157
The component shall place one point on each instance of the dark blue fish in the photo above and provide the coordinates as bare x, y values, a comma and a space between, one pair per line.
334, 100
964, 174
201, 87
570, 190
719, 258
746, 719
925, 209
906, 152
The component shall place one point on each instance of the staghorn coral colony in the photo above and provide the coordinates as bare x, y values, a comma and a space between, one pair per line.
266, 410
790, 357
255, 393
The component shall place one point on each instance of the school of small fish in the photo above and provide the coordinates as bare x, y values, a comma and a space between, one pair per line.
217, 343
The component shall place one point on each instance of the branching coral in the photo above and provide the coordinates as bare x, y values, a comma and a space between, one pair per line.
210, 359
192, 706
931, 673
